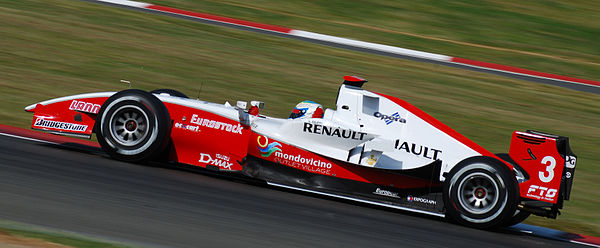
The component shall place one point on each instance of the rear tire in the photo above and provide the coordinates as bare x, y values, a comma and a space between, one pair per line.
480, 192
517, 218
133, 125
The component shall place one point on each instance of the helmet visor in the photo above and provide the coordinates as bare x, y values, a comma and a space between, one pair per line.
297, 113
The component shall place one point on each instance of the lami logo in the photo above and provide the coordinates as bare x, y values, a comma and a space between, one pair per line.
266, 148
84, 107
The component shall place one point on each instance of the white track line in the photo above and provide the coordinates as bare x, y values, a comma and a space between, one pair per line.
27, 138
127, 3
369, 45
346, 42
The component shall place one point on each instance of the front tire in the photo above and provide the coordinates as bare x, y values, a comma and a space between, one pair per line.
133, 125
481, 192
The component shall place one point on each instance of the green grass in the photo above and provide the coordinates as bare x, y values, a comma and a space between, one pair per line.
551, 36
53, 236
64, 240
52, 48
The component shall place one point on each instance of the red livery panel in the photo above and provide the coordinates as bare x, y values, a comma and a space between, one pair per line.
539, 157
202, 138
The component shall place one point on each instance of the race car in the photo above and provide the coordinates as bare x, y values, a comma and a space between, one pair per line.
373, 148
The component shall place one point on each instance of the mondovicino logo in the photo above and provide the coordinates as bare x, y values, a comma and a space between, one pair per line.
266, 148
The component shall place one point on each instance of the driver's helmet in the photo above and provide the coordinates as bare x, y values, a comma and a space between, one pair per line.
307, 109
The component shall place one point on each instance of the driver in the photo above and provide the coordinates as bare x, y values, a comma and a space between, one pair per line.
307, 109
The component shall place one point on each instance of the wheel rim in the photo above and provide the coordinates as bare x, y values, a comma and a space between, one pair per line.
129, 125
478, 193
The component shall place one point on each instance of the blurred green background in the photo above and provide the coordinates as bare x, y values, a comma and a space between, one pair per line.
52, 48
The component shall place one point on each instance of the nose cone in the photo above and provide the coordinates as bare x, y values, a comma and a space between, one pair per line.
32, 107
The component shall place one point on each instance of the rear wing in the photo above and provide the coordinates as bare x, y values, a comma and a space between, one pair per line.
549, 163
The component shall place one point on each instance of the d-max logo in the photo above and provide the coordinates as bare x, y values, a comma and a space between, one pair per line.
419, 150
332, 131
221, 161
84, 107
388, 119
266, 148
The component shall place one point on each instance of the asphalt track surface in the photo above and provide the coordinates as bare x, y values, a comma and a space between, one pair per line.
79, 189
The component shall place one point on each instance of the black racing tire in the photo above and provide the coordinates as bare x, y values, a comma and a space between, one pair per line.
169, 92
133, 126
518, 217
481, 192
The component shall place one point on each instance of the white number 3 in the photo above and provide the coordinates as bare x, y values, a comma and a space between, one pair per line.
549, 169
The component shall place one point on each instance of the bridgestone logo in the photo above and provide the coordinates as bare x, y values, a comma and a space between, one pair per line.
40, 122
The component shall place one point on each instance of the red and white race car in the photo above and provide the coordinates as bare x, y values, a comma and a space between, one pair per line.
373, 148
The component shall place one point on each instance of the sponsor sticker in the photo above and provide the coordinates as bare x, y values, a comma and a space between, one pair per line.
419, 150
222, 161
389, 119
41, 122
570, 161
411, 198
371, 160
84, 107
332, 131
388, 193
298, 161
231, 128
266, 148
542, 193
187, 127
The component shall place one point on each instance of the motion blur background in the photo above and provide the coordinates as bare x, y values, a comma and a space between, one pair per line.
52, 48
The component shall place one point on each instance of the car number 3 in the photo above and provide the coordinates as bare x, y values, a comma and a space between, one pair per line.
550, 163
